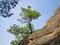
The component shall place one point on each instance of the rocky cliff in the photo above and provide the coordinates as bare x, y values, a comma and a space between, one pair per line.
48, 35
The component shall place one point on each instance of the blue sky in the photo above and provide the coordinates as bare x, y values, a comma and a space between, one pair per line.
45, 7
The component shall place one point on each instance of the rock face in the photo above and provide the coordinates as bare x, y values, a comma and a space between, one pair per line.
49, 34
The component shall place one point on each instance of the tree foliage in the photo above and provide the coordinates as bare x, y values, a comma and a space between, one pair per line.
14, 42
19, 32
27, 15
16, 30
6, 6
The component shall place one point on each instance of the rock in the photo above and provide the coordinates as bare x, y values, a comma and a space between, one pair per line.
49, 34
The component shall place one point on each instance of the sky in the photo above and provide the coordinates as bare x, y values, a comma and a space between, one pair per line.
45, 7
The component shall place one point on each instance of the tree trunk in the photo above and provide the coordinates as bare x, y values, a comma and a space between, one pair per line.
30, 28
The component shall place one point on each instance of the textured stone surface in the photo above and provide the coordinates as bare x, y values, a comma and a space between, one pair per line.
49, 34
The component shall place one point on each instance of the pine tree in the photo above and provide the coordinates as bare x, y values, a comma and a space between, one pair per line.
27, 15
